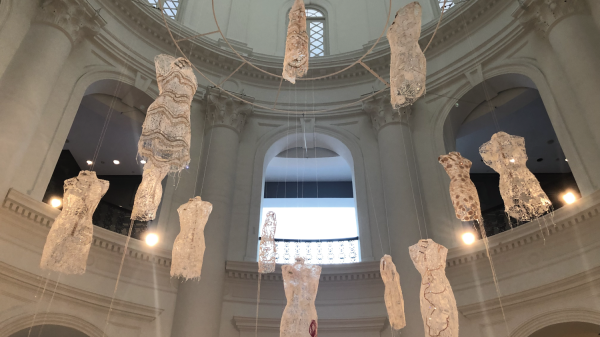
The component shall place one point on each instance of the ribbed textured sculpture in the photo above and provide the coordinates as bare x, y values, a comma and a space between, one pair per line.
188, 249
295, 63
462, 190
70, 238
166, 131
408, 66
268, 250
438, 305
301, 282
149, 193
394, 301
523, 197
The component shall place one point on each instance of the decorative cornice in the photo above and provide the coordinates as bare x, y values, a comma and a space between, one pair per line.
382, 113
43, 215
375, 324
76, 18
545, 14
225, 111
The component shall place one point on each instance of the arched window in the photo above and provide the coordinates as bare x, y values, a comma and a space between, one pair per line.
315, 27
169, 6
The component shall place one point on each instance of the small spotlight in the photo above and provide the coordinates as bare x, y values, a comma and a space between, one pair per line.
143, 161
457, 105
512, 160
569, 198
468, 238
151, 239
55, 202
89, 162
116, 162
566, 159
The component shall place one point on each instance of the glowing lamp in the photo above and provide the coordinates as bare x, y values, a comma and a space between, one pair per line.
151, 239
55, 202
468, 238
569, 198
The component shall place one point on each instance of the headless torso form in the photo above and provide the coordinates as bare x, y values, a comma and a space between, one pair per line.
394, 301
70, 238
301, 282
438, 306
189, 246
462, 190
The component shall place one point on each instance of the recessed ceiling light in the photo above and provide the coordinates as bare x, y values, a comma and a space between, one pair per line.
468, 238
569, 198
566, 159
116, 162
89, 162
151, 239
143, 161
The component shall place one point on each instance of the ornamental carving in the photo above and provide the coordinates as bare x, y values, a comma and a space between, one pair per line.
382, 113
544, 14
227, 111
77, 18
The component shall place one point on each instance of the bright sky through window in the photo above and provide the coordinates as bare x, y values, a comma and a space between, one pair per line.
315, 21
169, 6
449, 3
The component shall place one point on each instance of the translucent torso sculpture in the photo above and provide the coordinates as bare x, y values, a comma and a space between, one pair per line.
462, 190
268, 249
394, 301
295, 63
188, 249
70, 238
408, 65
149, 193
438, 306
301, 282
166, 131
523, 197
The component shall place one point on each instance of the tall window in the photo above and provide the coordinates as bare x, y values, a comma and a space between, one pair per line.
315, 26
449, 3
169, 6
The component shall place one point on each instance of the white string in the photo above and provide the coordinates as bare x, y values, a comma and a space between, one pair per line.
411, 182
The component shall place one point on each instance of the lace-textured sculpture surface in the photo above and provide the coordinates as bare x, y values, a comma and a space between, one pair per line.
295, 63
394, 301
408, 65
188, 249
70, 238
166, 131
438, 306
523, 197
268, 249
149, 193
301, 282
462, 190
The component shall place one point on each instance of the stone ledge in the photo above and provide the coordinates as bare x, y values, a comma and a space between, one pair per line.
338, 325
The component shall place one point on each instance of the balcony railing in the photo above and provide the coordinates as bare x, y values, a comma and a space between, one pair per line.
318, 251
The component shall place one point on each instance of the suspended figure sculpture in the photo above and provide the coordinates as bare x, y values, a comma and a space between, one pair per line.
188, 249
394, 301
523, 197
438, 305
408, 65
462, 190
166, 134
70, 238
295, 63
268, 249
301, 282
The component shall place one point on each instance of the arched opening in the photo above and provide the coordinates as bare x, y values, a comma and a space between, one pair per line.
569, 329
104, 136
308, 181
509, 103
49, 330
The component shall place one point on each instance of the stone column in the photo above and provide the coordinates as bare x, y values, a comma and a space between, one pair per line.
198, 307
574, 37
14, 25
400, 195
29, 79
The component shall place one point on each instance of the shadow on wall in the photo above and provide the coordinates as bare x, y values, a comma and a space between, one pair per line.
49, 330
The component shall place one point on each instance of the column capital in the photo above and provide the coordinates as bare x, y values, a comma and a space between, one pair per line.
382, 113
76, 18
545, 14
223, 110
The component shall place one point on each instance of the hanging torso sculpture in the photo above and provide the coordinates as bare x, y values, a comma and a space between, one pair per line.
70, 238
394, 301
295, 63
301, 282
438, 306
149, 193
462, 190
408, 66
268, 249
523, 197
166, 134
188, 249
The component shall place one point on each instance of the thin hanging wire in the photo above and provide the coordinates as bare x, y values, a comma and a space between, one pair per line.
418, 179
49, 305
411, 181
37, 307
